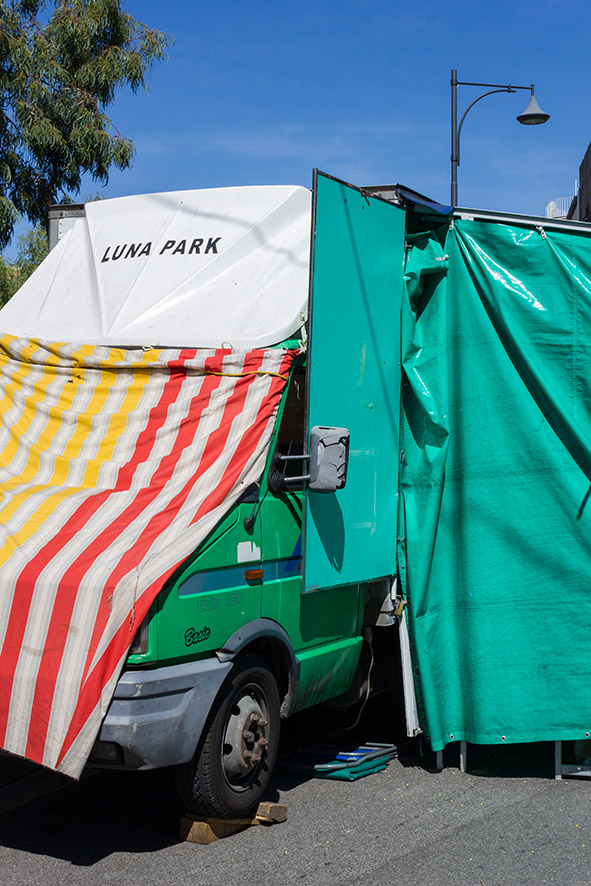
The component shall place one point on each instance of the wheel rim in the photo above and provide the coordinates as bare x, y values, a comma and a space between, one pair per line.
245, 737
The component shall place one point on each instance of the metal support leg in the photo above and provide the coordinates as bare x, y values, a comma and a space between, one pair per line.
439, 759
463, 756
558, 760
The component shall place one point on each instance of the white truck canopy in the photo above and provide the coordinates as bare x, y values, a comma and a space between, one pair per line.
184, 269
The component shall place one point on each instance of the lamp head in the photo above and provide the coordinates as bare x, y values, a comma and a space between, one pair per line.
533, 114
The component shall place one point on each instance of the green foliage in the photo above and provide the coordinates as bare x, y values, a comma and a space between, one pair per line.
32, 249
61, 63
8, 284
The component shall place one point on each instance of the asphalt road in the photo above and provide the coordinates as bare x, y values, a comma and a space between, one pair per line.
505, 822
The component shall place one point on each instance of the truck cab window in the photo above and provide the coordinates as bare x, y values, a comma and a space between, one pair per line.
291, 437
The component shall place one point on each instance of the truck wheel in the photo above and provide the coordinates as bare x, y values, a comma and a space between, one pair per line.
233, 763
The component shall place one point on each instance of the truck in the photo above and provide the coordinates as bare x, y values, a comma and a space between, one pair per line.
260, 444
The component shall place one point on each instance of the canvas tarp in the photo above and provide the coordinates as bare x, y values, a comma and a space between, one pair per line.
114, 465
198, 269
496, 481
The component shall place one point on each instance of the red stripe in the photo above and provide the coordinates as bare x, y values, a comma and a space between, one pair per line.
213, 448
26, 581
70, 582
111, 658
103, 671
144, 497
248, 444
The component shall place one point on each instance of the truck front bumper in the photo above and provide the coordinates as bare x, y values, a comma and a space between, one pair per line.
156, 716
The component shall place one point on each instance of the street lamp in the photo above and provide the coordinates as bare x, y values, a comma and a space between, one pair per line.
532, 116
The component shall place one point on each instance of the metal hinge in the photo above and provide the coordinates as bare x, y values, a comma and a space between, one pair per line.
400, 606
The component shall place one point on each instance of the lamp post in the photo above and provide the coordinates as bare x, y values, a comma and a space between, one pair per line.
532, 116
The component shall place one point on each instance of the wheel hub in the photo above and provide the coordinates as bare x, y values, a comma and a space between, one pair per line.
245, 738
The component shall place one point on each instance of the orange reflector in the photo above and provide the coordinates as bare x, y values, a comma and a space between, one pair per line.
254, 574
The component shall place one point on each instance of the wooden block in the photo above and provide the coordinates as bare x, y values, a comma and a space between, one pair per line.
204, 831
196, 829
271, 813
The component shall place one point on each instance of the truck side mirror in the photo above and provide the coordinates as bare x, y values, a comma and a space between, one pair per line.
329, 459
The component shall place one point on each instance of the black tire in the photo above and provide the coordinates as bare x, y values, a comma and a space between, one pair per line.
222, 780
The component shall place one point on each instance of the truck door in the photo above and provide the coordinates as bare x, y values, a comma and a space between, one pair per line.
354, 381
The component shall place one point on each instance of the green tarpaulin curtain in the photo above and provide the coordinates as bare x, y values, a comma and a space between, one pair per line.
496, 481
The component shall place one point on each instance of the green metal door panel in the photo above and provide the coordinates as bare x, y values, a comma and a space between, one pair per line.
354, 381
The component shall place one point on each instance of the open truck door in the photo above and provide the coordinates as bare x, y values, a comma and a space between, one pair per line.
354, 384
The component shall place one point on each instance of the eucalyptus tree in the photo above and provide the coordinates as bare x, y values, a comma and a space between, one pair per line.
61, 65
32, 247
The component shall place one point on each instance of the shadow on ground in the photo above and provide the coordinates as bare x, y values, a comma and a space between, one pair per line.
109, 812
89, 820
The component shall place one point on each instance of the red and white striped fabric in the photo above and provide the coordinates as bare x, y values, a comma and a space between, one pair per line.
115, 464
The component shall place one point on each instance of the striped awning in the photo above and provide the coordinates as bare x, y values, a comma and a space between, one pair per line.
115, 464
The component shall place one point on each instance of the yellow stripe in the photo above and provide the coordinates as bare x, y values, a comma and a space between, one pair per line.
108, 377
5, 357
19, 429
42, 443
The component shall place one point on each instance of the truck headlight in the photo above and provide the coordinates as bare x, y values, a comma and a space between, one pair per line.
140, 641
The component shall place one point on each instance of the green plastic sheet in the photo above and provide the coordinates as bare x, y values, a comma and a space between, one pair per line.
495, 557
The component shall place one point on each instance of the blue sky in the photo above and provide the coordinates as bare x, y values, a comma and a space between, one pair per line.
261, 92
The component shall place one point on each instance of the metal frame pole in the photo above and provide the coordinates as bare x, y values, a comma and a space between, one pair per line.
454, 137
